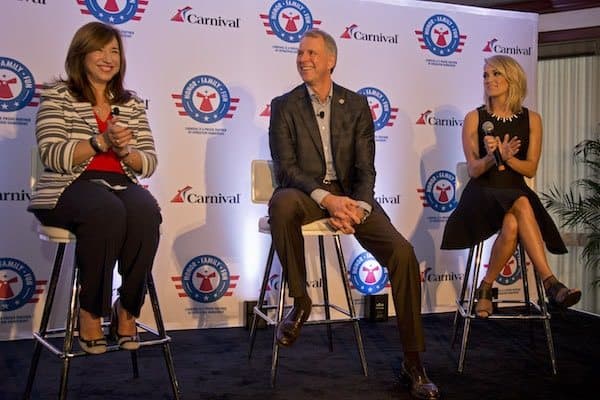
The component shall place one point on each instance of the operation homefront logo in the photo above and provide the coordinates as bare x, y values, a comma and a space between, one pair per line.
439, 193
188, 15
18, 287
114, 11
382, 112
289, 20
205, 279
441, 37
494, 46
206, 100
366, 275
17, 91
187, 195
353, 32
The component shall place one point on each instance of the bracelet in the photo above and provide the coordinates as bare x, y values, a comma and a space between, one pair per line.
96, 145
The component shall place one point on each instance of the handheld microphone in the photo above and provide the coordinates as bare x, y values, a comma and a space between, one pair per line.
321, 114
116, 111
488, 128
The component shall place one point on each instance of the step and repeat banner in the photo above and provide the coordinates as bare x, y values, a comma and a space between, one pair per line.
207, 70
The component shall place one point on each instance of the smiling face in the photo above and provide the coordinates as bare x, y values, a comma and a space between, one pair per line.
314, 61
495, 83
103, 64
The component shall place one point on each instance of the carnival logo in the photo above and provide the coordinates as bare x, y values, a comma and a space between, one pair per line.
492, 46
266, 112
352, 32
114, 11
205, 279
186, 195
205, 99
428, 118
382, 112
439, 192
23, 195
289, 20
366, 275
429, 275
17, 86
440, 35
187, 15
17, 285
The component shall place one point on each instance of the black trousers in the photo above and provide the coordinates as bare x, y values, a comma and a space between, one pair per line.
289, 209
110, 226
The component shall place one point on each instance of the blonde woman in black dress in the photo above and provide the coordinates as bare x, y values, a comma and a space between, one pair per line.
497, 198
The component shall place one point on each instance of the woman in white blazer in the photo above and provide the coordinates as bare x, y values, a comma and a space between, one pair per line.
94, 141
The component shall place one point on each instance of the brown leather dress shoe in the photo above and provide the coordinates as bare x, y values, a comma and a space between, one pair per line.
289, 328
420, 385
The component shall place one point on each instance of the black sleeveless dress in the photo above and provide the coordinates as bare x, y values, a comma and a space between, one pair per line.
487, 198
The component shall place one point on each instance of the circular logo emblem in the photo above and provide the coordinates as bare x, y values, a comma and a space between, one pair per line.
441, 35
111, 13
440, 191
205, 278
379, 105
17, 284
510, 273
206, 99
274, 281
290, 19
367, 276
17, 86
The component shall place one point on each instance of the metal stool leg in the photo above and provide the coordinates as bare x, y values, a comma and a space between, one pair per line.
544, 310
351, 309
162, 335
280, 307
69, 332
470, 303
325, 290
261, 298
461, 299
58, 259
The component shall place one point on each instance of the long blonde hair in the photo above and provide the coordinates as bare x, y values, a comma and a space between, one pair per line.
514, 75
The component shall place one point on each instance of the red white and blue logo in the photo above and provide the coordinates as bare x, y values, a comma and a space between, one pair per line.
289, 20
17, 284
509, 274
382, 112
440, 35
440, 191
114, 11
366, 275
206, 279
17, 86
205, 99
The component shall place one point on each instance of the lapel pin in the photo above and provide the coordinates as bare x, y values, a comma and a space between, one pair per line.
341, 101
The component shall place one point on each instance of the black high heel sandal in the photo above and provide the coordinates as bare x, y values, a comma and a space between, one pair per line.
92, 346
559, 295
484, 306
130, 343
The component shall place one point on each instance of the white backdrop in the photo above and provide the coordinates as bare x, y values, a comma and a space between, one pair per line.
208, 70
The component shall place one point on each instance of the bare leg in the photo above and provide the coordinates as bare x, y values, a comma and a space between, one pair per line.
503, 247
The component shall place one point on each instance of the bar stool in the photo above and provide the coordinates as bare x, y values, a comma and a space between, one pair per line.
263, 184
466, 301
42, 337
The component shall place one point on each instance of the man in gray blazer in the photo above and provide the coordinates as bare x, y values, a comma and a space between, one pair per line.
322, 144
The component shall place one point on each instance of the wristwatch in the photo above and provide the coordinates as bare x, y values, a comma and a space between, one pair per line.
95, 145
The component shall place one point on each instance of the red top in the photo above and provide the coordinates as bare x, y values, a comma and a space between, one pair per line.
107, 161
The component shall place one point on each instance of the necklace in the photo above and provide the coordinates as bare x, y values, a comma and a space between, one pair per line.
102, 109
504, 119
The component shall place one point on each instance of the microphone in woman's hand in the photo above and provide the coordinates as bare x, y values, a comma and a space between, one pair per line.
488, 128
116, 112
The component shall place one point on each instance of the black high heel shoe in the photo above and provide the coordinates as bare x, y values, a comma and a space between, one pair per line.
130, 343
559, 295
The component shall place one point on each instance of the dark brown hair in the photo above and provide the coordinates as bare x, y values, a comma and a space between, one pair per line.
91, 37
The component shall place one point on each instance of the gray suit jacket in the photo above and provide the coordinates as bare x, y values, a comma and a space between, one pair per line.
297, 150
